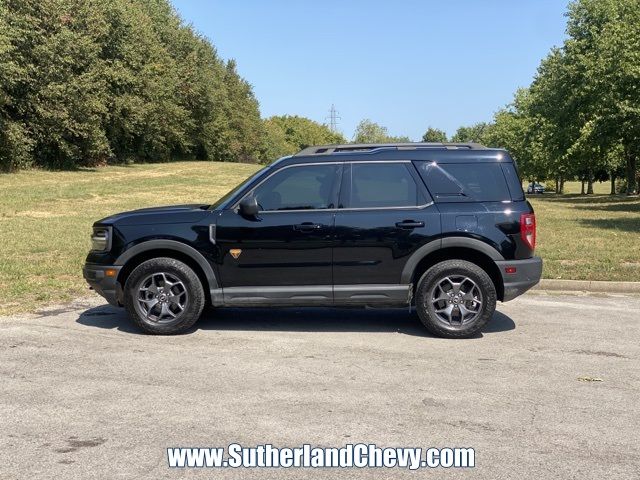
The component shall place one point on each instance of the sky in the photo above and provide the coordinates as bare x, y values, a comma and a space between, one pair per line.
405, 64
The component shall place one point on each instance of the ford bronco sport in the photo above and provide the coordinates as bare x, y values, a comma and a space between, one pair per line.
441, 226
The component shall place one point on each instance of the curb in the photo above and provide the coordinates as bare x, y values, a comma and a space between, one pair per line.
588, 286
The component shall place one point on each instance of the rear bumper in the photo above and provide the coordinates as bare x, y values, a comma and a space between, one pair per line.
106, 286
527, 274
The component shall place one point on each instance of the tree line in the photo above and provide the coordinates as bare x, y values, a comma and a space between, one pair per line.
88, 82
93, 82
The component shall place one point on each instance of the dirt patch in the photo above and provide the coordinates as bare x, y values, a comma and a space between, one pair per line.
569, 263
38, 214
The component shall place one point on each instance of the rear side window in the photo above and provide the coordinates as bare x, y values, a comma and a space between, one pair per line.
383, 185
465, 182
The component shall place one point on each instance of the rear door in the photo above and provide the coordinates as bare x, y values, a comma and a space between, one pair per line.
385, 214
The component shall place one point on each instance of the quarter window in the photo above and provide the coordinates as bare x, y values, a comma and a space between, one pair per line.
306, 187
380, 185
513, 181
459, 182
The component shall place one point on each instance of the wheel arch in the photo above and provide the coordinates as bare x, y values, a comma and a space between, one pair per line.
428, 257
144, 251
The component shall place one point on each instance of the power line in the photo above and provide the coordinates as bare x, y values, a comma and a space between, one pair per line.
333, 118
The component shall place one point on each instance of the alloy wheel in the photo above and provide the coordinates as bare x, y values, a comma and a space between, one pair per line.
162, 298
456, 300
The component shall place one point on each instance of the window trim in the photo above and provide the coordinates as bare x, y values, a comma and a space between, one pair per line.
338, 179
411, 169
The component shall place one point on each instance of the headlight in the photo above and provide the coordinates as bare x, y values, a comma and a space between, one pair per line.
101, 239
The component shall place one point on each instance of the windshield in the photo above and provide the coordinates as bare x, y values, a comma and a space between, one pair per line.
231, 193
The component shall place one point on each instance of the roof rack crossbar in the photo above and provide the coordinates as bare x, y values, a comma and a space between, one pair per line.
361, 147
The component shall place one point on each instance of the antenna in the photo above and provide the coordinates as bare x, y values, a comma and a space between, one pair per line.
333, 118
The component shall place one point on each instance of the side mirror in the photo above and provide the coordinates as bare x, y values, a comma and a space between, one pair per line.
249, 206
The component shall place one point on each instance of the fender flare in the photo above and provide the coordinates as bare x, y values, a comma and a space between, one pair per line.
465, 242
183, 248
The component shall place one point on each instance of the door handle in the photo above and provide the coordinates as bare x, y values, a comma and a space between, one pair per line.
307, 227
409, 224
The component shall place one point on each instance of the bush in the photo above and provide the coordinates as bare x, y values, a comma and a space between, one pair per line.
550, 186
15, 147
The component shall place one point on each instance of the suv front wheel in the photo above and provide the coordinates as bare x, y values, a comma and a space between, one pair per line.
455, 299
163, 296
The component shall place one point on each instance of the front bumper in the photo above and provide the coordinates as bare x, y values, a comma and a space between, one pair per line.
106, 286
527, 274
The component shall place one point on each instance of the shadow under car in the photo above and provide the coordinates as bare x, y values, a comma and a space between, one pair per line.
292, 319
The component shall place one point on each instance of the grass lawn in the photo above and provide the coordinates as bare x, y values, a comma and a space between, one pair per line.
595, 237
46, 217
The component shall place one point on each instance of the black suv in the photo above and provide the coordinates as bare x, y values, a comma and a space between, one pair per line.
444, 227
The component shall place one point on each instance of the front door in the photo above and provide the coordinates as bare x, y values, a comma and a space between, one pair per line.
282, 255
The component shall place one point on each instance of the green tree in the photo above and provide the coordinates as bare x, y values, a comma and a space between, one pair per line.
15, 145
586, 92
475, 133
91, 81
605, 40
150, 120
554, 104
434, 135
370, 132
288, 134
274, 143
62, 107
515, 129
244, 126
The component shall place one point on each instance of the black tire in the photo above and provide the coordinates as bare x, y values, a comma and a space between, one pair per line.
188, 286
480, 288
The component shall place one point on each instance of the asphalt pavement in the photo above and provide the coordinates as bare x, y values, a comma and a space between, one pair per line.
551, 389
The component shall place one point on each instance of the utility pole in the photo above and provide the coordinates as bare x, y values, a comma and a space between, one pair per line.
333, 118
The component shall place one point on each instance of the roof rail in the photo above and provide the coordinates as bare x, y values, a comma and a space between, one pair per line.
364, 147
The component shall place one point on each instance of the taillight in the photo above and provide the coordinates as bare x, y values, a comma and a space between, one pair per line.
528, 229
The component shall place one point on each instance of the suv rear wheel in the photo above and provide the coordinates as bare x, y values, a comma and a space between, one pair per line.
455, 299
163, 296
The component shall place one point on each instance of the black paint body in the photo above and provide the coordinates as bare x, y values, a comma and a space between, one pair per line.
332, 255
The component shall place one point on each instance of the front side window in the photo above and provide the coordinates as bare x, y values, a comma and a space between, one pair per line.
383, 185
232, 193
306, 187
